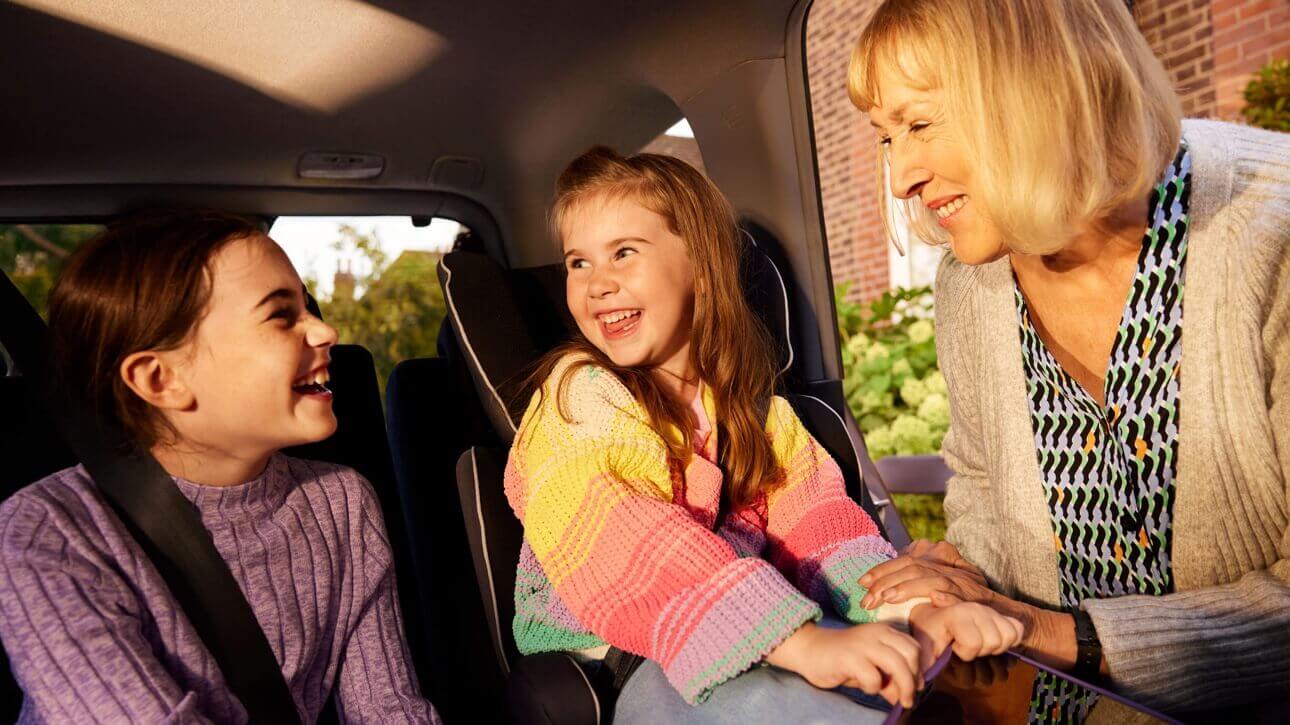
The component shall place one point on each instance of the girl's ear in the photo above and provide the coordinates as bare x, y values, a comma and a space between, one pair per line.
153, 377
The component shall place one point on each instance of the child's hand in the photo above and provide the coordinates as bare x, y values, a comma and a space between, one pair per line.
872, 657
974, 630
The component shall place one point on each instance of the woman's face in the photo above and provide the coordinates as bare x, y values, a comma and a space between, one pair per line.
257, 362
928, 161
630, 284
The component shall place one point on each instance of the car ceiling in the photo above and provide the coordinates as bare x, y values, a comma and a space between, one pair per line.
108, 93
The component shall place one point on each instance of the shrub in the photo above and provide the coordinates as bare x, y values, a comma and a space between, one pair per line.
892, 384
1267, 97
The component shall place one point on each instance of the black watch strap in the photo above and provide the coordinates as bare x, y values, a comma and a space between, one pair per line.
1088, 657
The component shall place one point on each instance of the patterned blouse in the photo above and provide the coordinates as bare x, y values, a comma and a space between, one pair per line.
1108, 470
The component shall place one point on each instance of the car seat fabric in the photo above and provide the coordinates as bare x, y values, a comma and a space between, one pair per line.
505, 321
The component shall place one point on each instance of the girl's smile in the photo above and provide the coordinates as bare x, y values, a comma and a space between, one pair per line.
618, 324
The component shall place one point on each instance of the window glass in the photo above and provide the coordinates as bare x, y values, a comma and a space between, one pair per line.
375, 279
677, 140
33, 255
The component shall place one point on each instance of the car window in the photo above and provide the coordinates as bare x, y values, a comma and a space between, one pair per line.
375, 279
33, 255
677, 140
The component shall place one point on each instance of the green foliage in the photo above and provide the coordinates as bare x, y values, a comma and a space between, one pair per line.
892, 382
397, 308
1267, 97
895, 389
34, 255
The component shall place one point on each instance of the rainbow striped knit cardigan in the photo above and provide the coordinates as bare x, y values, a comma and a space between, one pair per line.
619, 550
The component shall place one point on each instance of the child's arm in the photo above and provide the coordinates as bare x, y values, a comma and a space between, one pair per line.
74, 630
818, 535
595, 496
376, 681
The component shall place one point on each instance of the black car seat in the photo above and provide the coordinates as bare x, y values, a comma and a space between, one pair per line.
504, 320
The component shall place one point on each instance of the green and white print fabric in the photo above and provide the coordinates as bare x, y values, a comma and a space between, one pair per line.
1108, 470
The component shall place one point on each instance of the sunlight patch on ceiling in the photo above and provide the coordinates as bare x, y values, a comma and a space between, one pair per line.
322, 55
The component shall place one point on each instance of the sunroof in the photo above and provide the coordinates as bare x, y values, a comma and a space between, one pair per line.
323, 55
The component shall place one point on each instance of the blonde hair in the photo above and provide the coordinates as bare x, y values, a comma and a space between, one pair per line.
1065, 113
730, 347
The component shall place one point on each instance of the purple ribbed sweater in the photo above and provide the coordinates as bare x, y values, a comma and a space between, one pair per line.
93, 633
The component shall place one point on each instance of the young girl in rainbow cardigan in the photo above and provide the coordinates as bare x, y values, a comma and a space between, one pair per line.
188, 330
672, 507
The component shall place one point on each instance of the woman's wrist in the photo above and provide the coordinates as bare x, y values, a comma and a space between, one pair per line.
1050, 637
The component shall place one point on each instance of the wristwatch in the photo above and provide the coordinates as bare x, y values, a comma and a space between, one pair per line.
1088, 657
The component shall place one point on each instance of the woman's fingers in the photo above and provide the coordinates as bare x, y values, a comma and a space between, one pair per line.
925, 586
881, 570
943, 598
885, 589
919, 547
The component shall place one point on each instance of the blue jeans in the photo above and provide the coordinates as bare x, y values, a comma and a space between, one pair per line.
763, 694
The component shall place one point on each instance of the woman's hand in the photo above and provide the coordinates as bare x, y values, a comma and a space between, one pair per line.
972, 629
872, 657
924, 568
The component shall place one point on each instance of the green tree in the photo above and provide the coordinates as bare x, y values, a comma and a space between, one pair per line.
394, 310
33, 255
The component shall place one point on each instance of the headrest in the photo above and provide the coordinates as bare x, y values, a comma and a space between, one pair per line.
505, 320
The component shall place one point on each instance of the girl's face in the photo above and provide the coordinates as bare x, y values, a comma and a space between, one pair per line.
630, 284
255, 364
928, 161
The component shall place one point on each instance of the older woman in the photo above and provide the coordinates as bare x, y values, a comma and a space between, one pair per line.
1120, 428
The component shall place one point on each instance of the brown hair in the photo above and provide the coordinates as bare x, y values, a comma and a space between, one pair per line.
730, 348
143, 284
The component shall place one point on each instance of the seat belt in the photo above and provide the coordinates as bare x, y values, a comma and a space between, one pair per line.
166, 527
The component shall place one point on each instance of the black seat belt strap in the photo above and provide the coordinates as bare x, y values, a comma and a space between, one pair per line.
168, 529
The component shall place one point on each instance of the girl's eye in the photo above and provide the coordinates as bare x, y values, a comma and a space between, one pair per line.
577, 264
286, 314
624, 252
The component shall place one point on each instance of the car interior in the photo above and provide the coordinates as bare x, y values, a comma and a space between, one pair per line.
459, 111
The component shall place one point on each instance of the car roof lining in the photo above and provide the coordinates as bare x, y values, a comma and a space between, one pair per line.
93, 121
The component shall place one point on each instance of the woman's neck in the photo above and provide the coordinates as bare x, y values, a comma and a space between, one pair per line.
208, 466
1097, 252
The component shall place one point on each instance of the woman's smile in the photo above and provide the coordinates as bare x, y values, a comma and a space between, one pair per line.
947, 209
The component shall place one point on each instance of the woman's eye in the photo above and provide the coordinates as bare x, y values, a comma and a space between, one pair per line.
918, 127
884, 140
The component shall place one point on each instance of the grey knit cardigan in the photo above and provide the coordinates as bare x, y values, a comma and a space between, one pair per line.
1224, 635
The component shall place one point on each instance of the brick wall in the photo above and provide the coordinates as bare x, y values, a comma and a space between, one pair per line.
1211, 49
846, 147
1247, 35
1181, 32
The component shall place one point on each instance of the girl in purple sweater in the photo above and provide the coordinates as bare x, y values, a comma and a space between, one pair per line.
189, 329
